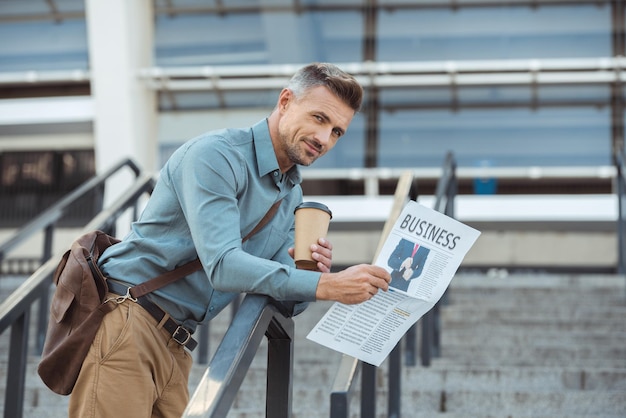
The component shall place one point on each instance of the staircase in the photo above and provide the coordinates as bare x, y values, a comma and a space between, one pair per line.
527, 346
512, 346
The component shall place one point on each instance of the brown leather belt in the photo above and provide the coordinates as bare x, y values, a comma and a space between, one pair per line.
179, 334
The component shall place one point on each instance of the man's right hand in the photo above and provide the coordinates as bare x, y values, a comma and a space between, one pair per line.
353, 285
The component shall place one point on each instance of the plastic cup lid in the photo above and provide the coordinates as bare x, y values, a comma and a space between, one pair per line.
314, 205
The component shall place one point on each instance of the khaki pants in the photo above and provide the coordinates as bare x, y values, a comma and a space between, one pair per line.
133, 369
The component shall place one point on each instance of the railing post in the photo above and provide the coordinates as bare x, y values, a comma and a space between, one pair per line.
279, 371
368, 391
436, 331
16, 376
410, 345
621, 207
426, 349
42, 314
339, 405
395, 382
342, 386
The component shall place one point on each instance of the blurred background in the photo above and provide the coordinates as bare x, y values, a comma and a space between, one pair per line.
526, 94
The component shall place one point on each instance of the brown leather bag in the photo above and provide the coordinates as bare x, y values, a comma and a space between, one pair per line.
76, 312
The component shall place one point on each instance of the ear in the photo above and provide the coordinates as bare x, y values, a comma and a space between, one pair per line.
284, 99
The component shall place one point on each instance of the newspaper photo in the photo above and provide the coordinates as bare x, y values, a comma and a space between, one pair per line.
422, 253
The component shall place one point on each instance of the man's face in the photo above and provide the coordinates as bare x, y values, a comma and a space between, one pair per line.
310, 125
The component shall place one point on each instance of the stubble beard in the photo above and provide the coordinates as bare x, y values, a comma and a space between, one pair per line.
297, 155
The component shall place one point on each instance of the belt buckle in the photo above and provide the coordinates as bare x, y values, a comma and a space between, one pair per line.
186, 335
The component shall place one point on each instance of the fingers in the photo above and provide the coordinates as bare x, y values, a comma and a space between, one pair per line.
325, 243
323, 254
324, 268
354, 285
381, 279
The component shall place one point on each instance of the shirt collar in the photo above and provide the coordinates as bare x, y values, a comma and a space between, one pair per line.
265, 155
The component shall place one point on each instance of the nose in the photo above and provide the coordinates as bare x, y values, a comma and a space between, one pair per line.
323, 136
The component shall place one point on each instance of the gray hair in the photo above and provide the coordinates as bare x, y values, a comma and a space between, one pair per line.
342, 84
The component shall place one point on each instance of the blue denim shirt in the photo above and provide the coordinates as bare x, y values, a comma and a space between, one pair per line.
213, 191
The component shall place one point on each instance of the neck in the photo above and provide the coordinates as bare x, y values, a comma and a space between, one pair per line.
284, 162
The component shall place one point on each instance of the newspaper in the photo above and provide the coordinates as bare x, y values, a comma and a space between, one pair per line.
422, 253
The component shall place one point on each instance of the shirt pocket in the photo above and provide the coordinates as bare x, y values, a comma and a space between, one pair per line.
267, 242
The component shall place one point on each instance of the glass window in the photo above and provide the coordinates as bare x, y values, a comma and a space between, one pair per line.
278, 37
209, 39
498, 137
44, 46
38, 37
494, 33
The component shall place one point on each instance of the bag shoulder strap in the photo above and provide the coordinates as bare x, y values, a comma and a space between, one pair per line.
268, 216
192, 266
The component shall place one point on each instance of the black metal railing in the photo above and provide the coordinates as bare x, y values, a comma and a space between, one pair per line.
15, 310
347, 374
620, 163
257, 317
431, 322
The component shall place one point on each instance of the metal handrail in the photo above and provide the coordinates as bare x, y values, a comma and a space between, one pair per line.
257, 316
15, 310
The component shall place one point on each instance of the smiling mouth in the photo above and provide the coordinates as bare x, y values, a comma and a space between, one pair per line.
313, 149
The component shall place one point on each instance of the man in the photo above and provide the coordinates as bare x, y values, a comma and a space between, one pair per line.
210, 194
407, 261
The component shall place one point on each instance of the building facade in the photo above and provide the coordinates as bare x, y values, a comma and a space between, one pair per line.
504, 85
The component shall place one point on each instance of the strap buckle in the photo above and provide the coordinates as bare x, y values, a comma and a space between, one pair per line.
181, 335
122, 298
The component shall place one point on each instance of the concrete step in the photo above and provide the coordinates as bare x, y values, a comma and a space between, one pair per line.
530, 393
557, 283
509, 335
520, 404
454, 377
533, 335
450, 377
520, 346
537, 308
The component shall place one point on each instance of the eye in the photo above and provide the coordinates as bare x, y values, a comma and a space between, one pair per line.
337, 132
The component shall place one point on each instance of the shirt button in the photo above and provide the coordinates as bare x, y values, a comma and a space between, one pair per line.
275, 173
211, 309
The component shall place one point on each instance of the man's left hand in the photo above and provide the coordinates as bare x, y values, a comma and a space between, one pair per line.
322, 252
